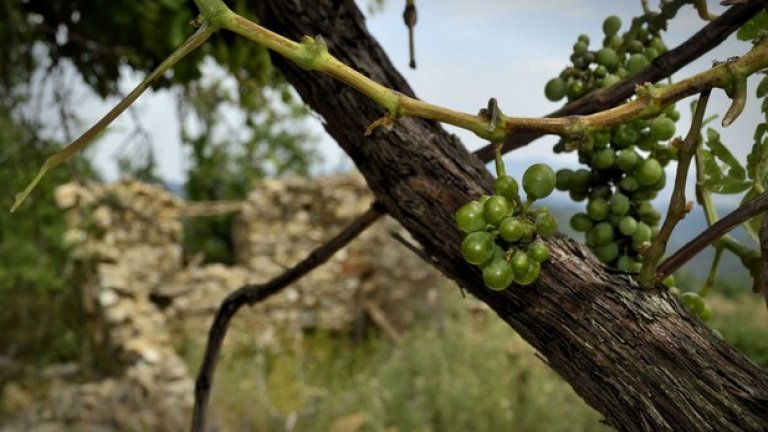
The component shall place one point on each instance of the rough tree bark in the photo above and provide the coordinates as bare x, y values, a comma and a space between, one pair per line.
635, 356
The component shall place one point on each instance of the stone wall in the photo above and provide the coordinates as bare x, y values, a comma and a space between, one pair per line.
142, 296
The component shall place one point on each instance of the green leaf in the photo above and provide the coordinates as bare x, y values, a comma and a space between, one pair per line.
727, 177
762, 88
750, 29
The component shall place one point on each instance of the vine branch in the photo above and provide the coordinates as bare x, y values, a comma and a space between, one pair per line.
201, 35
312, 54
254, 293
677, 205
742, 214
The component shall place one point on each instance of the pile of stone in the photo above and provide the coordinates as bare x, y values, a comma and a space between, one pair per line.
142, 296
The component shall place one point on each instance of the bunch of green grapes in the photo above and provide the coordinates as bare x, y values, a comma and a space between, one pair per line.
620, 56
624, 165
503, 232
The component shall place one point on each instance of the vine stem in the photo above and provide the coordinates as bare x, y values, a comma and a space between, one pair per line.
742, 214
201, 35
255, 293
312, 54
676, 212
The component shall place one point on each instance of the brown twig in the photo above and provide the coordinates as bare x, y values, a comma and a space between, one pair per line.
676, 212
663, 66
255, 293
742, 214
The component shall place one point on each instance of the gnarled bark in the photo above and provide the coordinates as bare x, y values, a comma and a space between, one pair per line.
635, 356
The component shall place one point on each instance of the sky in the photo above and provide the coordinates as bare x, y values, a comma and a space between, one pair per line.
466, 53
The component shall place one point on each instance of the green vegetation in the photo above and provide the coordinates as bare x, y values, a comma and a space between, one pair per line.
35, 280
456, 371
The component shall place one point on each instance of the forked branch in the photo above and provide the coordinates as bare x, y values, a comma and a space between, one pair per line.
737, 217
255, 293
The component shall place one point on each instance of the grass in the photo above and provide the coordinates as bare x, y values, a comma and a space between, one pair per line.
460, 373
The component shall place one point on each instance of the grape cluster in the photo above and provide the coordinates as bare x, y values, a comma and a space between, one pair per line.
693, 301
625, 165
503, 232
621, 56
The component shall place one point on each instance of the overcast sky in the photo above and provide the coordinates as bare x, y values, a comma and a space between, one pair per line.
466, 52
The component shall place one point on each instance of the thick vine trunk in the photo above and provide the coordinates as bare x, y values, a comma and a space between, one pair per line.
635, 356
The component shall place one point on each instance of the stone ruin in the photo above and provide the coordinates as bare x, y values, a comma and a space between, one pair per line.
141, 295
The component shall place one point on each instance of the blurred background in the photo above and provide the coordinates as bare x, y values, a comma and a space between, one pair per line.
220, 176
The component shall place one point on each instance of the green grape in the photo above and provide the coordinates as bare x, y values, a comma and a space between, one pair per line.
603, 159
673, 115
635, 46
469, 217
496, 209
675, 291
583, 38
601, 139
577, 195
627, 160
529, 232
520, 264
607, 252
619, 204
645, 208
575, 89
642, 234
636, 63
581, 180
706, 313
646, 143
651, 54
498, 253
483, 199
563, 179
614, 42
602, 233
477, 247
621, 72
581, 222
664, 154
611, 25
669, 281
511, 229
608, 58
603, 191
546, 224
530, 276
648, 172
539, 181
507, 187
538, 251
624, 136
658, 45
609, 80
555, 89
600, 71
580, 48
662, 128
613, 220
597, 209
498, 275
693, 302
624, 263
628, 225
629, 183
